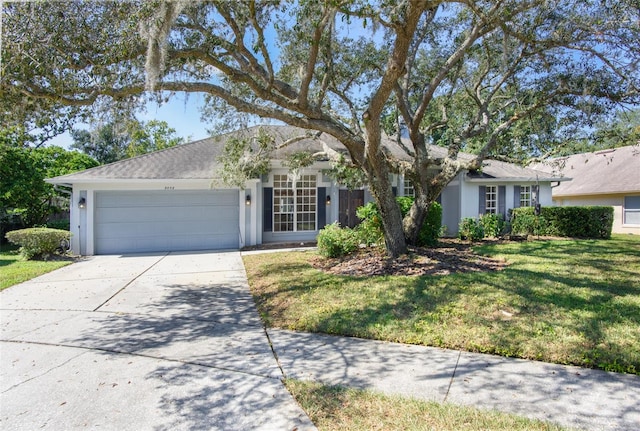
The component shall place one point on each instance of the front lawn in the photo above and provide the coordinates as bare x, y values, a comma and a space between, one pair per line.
337, 408
14, 270
567, 301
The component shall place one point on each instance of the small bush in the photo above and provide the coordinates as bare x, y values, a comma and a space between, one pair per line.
470, 229
37, 242
335, 241
492, 224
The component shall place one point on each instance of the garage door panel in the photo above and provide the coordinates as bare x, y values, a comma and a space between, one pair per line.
168, 198
142, 229
166, 214
146, 221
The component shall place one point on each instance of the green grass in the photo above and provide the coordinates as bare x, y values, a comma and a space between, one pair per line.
338, 408
568, 302
14, 270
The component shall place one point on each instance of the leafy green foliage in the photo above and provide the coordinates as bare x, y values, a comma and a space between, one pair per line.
298, 160
22, 185
574, 222
38, 242
371, 225
243, 159
120, 140
152, 136
25, 199
492, 225
336, 241
346, 174
470, 229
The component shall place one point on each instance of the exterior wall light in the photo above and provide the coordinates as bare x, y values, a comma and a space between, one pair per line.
328, 200
247, 201
82, 203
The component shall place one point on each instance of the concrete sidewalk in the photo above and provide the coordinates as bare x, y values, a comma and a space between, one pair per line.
140, 342
569, 396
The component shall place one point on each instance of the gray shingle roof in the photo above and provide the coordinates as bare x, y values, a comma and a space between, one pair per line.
602, 172
198, 160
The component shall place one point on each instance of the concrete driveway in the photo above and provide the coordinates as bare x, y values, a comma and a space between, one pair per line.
140, 342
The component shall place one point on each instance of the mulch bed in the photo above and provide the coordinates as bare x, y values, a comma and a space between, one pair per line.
448, 257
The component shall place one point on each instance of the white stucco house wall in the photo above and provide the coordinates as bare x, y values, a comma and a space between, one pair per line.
607, 177
171, 200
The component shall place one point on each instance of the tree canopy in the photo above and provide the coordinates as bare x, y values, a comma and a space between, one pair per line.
486, 75
24, 195
119, 140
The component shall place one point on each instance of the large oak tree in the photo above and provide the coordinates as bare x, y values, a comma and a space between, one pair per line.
461, 74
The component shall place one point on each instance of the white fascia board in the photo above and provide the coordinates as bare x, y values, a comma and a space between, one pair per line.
150, 184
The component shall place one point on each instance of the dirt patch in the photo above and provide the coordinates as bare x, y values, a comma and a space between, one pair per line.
449, 257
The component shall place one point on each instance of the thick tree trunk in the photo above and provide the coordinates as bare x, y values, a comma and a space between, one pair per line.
394, 239
415, 218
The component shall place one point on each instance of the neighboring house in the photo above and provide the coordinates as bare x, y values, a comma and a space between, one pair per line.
607, 177
170, 200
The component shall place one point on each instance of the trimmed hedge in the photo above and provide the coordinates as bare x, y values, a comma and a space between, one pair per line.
576, 222
38, 242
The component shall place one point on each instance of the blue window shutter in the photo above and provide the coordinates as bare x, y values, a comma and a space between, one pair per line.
482, 199
516, 196
502, 197
322, 207
394, 190
267, 219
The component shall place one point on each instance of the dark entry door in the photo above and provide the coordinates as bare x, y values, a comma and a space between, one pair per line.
350, 200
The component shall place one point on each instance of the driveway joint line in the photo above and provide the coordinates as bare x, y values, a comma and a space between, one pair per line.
273, 350
141, 355
453, 376
131, 281
43, 373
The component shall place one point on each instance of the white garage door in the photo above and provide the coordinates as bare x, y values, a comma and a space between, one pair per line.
172, 220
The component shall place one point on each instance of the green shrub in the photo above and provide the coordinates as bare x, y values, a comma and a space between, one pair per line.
336, 241
470, 229
577, 222
370, 229
432, 226
492, 225
37, 242
371, 226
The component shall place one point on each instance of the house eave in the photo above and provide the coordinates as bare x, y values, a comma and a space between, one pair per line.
596, 193
515, 179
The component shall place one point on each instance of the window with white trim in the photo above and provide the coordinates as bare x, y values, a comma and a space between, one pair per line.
491, 200
525, 196
631, 210
294, 208
408, 188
